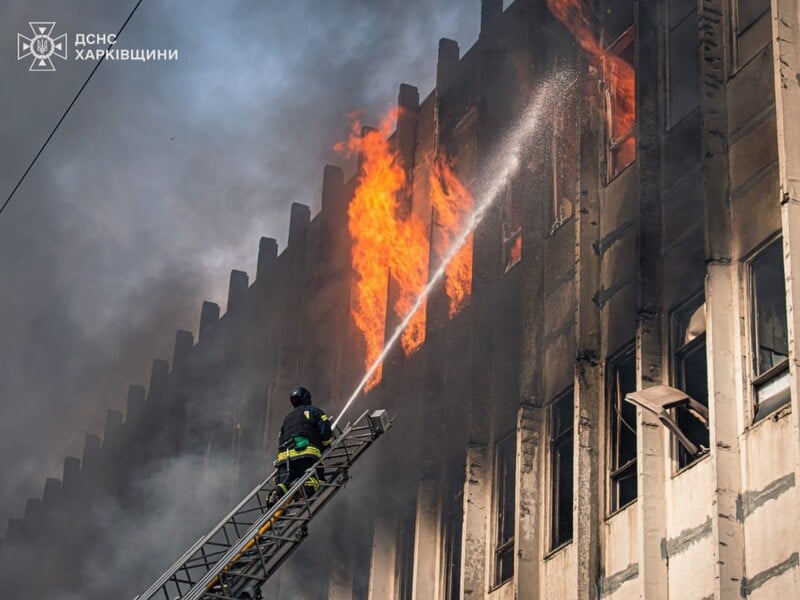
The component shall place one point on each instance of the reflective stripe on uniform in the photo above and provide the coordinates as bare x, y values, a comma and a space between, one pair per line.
307, 451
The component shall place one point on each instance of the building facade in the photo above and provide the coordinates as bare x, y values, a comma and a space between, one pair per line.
646, 241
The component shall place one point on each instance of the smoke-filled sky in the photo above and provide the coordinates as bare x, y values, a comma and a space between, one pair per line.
163, 178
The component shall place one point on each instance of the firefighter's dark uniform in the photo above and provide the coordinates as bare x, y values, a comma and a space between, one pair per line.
305, 433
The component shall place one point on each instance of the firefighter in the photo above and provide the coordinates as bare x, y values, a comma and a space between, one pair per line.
305, 434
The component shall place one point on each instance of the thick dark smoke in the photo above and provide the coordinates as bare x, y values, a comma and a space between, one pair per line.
161, 180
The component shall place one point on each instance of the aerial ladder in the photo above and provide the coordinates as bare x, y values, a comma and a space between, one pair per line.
235, 559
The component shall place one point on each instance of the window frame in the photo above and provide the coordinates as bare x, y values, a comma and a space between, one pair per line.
499, 546
616, 472
617, 46
677, 353
555, 541
756, 379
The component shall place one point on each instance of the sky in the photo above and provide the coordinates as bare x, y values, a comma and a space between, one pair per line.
163, 178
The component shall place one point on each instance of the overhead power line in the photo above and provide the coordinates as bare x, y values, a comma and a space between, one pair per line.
66, 112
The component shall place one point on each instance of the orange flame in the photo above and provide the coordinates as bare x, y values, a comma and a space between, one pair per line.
452, 203
617, 72
383, 243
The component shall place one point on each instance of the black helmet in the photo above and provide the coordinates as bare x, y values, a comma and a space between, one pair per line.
300, 396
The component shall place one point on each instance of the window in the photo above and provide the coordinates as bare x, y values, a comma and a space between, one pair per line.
769, 330
564, 159
622, 430
512, 230
690, 372
504, 485
683, 67
620, 101
452, 521
561, 445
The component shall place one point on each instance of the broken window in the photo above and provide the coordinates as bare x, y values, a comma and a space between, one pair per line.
683, 67
690, 372
512, 229
622, 430
561, 446
769, 330
620, 84
504, 485
564, 159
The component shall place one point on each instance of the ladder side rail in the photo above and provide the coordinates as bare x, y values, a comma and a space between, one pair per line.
288, 540
202, 585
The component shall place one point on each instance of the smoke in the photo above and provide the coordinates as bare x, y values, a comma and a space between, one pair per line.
162, 179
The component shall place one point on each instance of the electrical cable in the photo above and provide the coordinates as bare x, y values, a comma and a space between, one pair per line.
66, 112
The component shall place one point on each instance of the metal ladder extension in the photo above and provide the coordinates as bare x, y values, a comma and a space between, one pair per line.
237, 557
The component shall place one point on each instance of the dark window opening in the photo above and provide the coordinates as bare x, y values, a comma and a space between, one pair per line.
561, 468
620, 101
404, 568
769, 330
564, 159
683, 67
622, 430
690, 373
505, 488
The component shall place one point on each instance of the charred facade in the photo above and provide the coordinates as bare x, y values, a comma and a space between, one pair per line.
621, 256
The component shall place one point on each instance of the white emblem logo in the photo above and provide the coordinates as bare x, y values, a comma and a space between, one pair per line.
42, 46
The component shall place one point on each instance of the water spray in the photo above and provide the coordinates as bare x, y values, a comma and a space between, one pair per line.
504, 164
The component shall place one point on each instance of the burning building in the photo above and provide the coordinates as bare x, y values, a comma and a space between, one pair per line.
647, 239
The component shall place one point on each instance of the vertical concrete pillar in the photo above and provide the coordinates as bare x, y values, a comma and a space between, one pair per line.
427, 546
184, 340
383, 561
476, 518
786, 64
722, 317
652, 443
237, 290
267, 255
332, 186
299, 220
447, 62
134, 405
529, 501
491, 10
588, 479
209, 315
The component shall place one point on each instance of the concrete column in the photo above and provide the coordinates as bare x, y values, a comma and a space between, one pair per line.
652, 446
722, 317
427, 542
476, 513
447, 62
529, 501
184, 340
384, 558
786, 63
588, 478
237, 289
267, 255
491, 11
332, 186
299, 220
209, 315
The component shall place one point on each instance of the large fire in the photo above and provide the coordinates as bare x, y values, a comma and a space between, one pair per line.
452, 203
618, 74
384, 244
